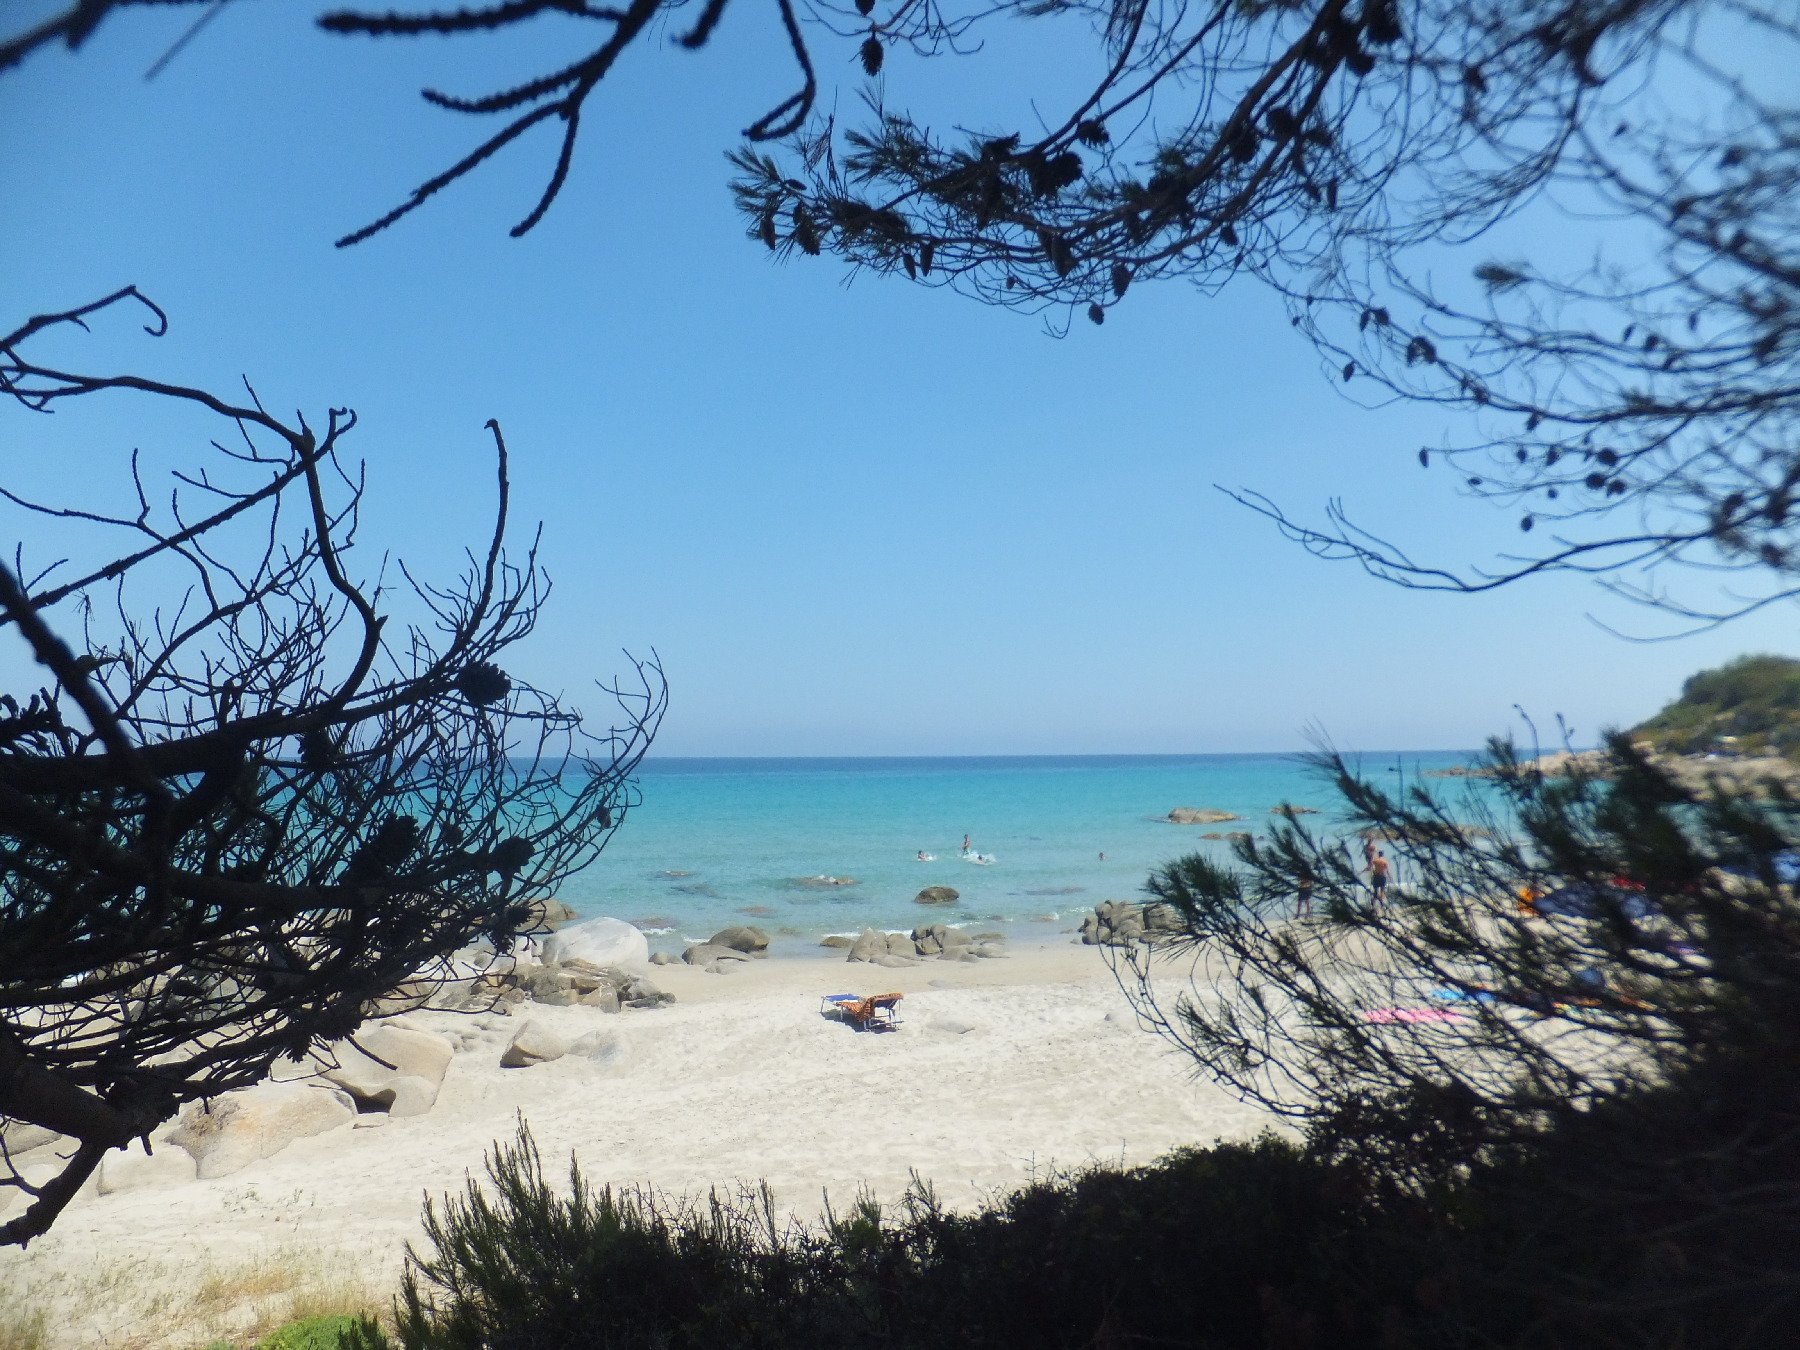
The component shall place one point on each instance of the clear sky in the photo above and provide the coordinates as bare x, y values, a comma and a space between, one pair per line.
851, 518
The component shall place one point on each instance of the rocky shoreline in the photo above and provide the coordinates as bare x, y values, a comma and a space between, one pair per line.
1733, 772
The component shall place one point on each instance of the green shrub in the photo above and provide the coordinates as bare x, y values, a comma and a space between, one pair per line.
341, 1332
1755, 699
1219, 1248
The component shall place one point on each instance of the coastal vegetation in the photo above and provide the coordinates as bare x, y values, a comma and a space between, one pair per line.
1749, 706
1562, 1038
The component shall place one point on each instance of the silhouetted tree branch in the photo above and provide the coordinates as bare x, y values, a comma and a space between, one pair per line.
1633, 412
250, 801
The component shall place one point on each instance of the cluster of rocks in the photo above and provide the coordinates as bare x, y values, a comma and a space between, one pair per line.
559, 982
721, 953
593, 963
1119, 923
586, 962
937, 941
386, 1070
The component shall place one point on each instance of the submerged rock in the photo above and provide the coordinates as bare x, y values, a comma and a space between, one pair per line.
937, 895
1200, 815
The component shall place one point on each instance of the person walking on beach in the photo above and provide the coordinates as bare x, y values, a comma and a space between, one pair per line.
1378, 879
1303, 892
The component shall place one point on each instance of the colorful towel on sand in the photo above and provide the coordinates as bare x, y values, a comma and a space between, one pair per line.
1462, 995
1410, 1015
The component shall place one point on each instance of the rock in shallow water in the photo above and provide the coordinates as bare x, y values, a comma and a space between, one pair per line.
742, 938
1200, 815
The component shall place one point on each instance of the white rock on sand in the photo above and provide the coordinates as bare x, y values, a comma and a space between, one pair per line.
604, 942
230, 1133
739, 1080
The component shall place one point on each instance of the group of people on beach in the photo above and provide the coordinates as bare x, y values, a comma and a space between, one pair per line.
1375, 861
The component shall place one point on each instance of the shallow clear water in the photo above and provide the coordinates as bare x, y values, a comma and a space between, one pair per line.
722, 841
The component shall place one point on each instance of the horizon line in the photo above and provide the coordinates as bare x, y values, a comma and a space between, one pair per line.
1073, 754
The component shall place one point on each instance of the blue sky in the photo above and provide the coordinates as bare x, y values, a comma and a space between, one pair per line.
851, 518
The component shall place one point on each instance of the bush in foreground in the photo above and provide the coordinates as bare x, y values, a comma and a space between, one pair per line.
1220, 1247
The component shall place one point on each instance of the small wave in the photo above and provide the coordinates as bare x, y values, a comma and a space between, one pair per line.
655, 932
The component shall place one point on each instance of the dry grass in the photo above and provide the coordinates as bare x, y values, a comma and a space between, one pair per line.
172, 1305
245, 1302
21, 1329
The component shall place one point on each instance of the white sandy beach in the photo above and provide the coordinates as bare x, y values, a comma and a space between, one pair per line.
1002, 1070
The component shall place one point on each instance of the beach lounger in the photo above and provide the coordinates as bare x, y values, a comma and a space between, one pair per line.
875, 1013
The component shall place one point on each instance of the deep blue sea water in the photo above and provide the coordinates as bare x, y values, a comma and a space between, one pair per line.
722, 841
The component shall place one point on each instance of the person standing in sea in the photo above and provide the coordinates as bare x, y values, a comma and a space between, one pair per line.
965, 847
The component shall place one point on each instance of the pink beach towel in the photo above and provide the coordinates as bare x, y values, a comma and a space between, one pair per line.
1411, 1015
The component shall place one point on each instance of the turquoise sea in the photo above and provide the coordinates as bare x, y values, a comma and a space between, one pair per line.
723, 841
